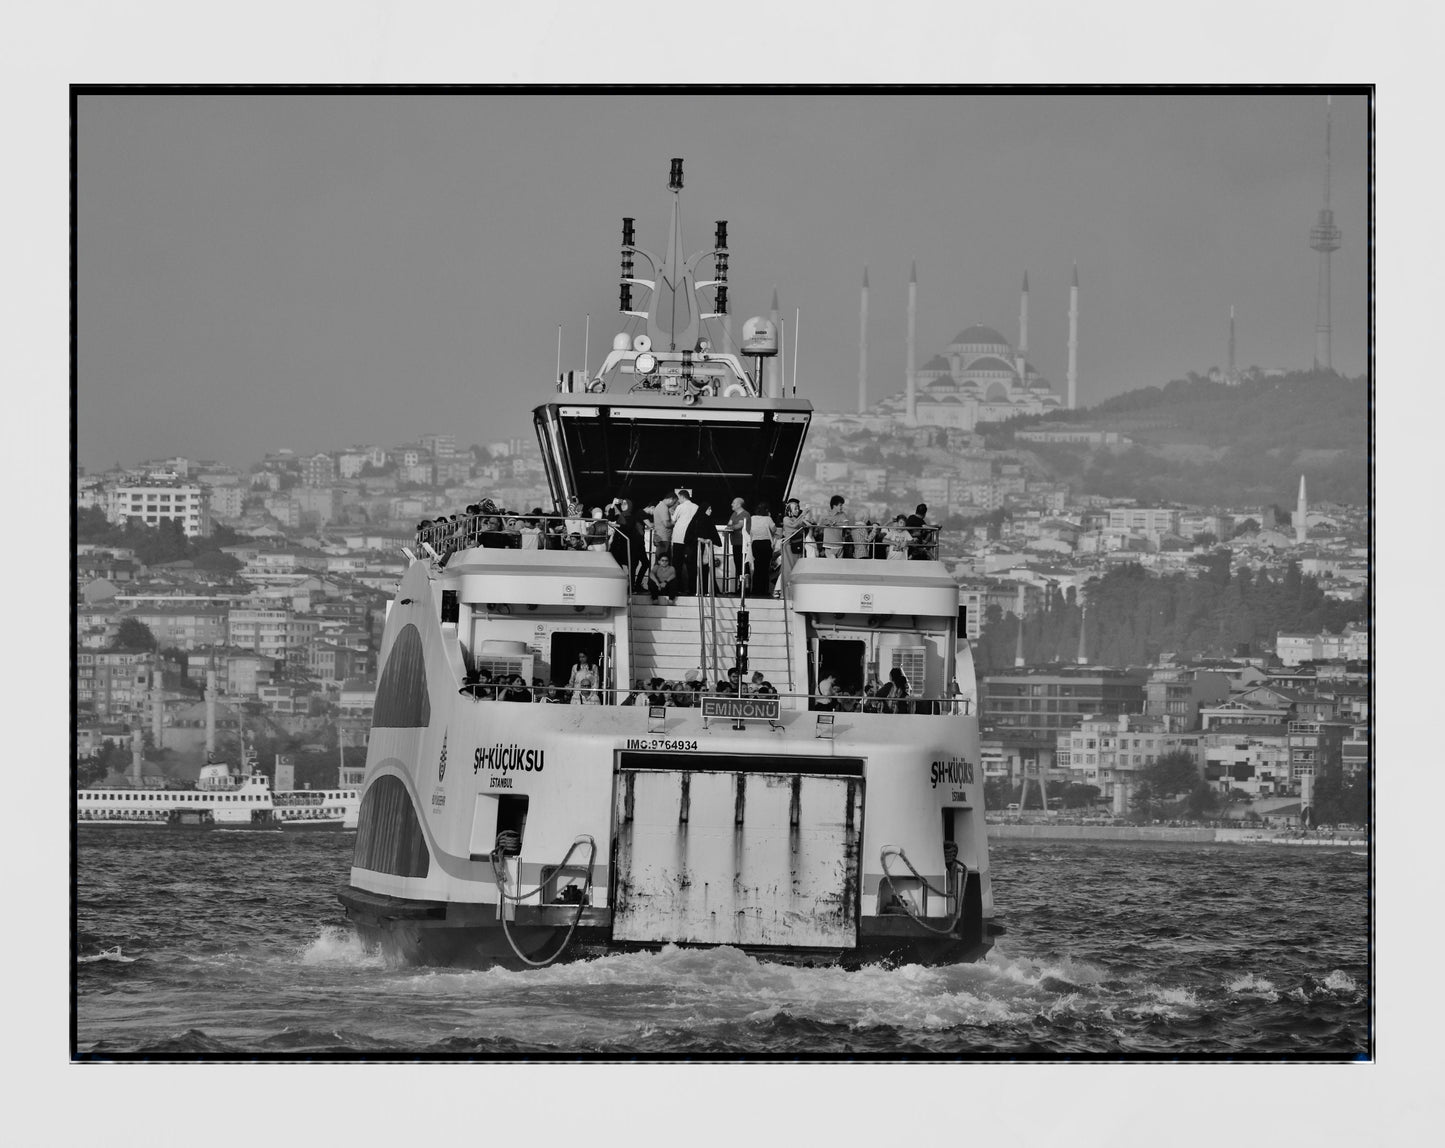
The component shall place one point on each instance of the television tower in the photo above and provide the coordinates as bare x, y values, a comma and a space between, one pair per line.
1229, 378
863, 347
1324, 238
1073, 375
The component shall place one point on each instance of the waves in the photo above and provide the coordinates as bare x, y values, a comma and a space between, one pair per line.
1145, 951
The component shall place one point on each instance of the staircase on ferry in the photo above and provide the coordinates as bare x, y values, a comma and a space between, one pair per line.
668, 640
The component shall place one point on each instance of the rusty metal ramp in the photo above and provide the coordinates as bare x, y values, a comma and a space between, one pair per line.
737, 850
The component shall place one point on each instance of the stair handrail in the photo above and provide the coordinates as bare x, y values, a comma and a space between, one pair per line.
783, 580
701, 612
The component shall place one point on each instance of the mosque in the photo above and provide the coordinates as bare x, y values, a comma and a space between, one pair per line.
979, 377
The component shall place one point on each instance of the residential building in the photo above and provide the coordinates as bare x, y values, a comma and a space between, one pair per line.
318, 470
151, 500
1175, 694
1251, 758
1028, 708
266, 631
112, 683
186, 627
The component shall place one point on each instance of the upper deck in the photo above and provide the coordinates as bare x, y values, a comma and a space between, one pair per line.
641, 446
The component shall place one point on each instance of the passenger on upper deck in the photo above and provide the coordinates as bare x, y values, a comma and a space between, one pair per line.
925, 534
833, 524
662, 579
738, 542
898, 538
795, 530
684, 559
761, 532
702, 528
661, 512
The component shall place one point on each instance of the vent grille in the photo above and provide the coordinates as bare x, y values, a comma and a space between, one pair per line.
911, 660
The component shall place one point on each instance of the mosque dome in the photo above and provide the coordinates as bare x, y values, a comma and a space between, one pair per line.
981, 336
988, 363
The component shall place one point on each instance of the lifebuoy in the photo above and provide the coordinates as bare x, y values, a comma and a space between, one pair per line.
734, 391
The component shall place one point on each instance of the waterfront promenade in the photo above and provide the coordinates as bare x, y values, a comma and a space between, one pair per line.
1042, 831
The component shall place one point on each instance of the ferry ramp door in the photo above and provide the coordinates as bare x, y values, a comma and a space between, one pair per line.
730, 849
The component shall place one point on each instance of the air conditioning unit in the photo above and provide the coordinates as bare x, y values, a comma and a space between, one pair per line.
911, 660
500, 657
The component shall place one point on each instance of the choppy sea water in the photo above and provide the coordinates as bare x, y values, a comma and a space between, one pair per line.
233, 944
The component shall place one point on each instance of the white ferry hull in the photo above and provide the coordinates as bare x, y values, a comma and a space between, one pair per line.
770, 839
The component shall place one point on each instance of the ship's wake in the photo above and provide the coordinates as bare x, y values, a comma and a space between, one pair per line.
679, 1001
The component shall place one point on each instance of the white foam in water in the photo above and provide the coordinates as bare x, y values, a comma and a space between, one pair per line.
337, 946
1341, 982
1253, 986
111, 954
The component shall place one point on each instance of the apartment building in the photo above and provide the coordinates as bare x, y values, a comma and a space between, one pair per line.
1144, 519
1029, 708
1251, 758
266, 631
151, 500
186, 627
112, 683
1175, 695
1112, 752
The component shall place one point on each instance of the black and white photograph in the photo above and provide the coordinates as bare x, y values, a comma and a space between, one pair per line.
613, 574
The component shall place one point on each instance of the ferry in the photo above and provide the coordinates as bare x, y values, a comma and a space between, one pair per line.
226, 796
778, 822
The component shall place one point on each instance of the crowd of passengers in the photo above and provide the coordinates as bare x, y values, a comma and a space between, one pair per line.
661, 544
584, 687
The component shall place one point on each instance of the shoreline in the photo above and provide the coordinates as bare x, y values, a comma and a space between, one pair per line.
1177, 834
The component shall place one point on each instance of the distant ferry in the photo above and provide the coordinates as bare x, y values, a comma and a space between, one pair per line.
227, 796
775, 821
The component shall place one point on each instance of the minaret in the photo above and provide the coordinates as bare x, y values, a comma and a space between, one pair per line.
1081, 657
1019, 649
157, 703
912, 382
1300, 515
1024, 318
1074, 341
1324, 238
210, 715
863, 346
1020, 361
1229, 378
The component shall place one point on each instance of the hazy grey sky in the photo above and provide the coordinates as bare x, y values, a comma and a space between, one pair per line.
262, 271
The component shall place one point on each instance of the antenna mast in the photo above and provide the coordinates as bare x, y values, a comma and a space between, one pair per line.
1324, 238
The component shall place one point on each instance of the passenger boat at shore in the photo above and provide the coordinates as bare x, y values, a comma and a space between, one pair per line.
492, 832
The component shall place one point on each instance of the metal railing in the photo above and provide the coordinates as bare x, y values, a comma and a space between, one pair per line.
688, 695
824, 538
500, 531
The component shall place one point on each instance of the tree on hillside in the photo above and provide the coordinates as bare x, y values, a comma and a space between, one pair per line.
134, 635
1171, 774
1339, 799
93, 527
109, 758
